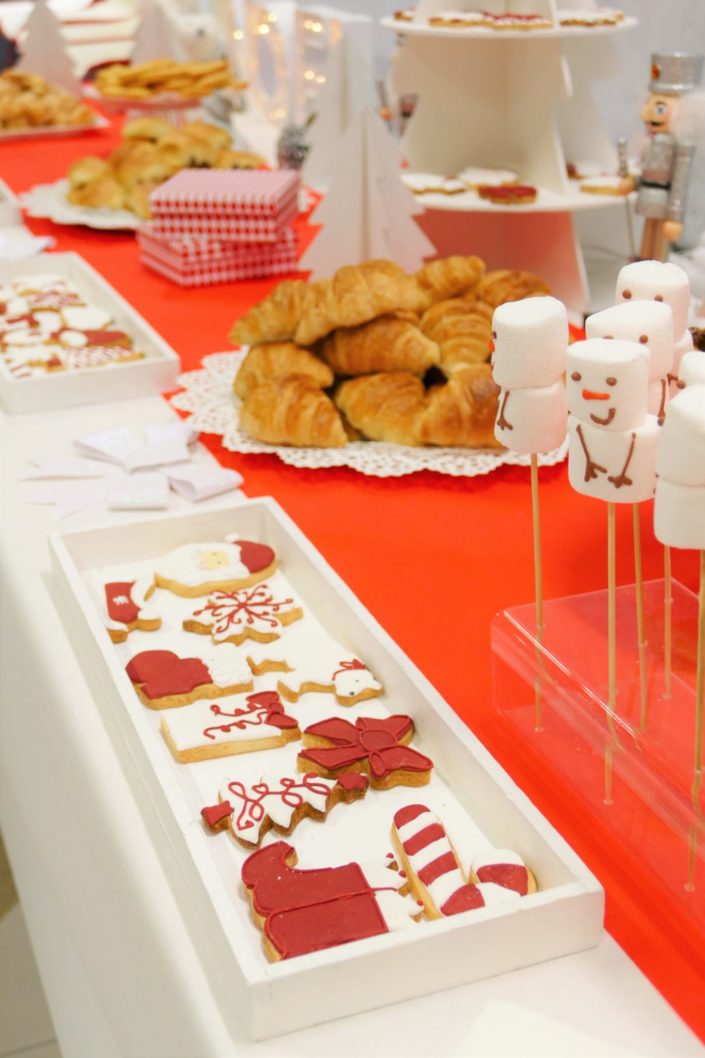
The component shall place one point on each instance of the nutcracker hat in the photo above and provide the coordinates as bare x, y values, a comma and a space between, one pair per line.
675, 72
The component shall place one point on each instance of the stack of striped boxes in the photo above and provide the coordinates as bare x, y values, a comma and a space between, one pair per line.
216, 225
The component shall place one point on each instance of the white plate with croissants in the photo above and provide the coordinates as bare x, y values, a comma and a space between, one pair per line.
385, 372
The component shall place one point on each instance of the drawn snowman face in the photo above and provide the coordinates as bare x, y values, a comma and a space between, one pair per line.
658, 281
650, 323
607, 383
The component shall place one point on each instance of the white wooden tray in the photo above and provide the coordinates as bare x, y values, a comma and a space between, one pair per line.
469, 790
155, 373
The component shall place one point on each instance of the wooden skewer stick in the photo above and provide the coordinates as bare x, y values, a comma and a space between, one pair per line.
538, 587
640, 624
667, 624
699, 718
611, 648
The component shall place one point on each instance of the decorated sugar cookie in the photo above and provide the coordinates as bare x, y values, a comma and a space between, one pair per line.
251, 613
377, 747
126, 608
301, 911
198, 569
279, 802
209, 729
502, 867
312, 661
433, 868
162, 679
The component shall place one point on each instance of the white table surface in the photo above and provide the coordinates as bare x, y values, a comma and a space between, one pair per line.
120, 972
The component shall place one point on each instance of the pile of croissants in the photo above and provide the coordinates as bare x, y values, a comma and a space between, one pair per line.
376, 354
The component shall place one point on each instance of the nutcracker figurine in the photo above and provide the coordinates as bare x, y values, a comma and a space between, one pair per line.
674, 120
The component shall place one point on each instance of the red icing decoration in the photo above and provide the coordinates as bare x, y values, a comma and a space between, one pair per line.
433, 832
306, 911
244, 607
467, 898
255, 556
215, 814
108, 338
443, 865
353, 780
265, 707
118, 599
369, 741
407, 813
348, 666
508, 875
161, 673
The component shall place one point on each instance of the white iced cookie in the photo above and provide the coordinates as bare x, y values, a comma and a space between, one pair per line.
680, 458
657, 281
196, 569
692, 368
650, 323
607, 383
530, 339
85, 317
532, 420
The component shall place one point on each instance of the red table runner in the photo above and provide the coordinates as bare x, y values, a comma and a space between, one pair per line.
433, 558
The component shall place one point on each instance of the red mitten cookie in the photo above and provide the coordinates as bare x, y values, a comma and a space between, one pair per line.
162, 679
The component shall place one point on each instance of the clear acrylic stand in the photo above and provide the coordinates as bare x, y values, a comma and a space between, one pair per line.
624, 781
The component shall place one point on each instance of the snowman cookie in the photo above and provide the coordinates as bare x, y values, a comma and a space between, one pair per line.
257, 613
163, 680
198, 569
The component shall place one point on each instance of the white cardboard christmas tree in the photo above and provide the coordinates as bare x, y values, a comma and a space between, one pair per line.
44, 50
157, 36
368, 212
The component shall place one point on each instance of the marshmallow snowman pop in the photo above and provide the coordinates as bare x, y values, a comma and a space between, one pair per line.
679, 521
611, 457
650, 323
530, 338
667, 284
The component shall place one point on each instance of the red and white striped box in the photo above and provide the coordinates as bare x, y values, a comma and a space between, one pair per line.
197, 261
238, 205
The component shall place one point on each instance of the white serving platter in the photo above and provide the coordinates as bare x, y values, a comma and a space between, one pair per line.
155, 373
40, 132
49, 202
469, 789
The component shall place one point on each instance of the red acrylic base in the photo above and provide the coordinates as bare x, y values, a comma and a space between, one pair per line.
624, 783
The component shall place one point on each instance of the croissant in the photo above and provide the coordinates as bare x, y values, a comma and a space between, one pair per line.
505, 285
383, 407
292, 411
451, 307
104, 192
276, 360
462, 411
276, 317
448, 276
84, 170
384, 344
150, 129
355, 295
205, 133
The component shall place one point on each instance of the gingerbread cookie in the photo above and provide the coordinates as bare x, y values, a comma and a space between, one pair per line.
433, 868
377, 747
207, 729
279, 802
198, 569
162, 679
251, 613
312, 661
300, 911
126, 609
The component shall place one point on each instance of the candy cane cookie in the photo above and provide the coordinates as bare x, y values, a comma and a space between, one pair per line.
433, 868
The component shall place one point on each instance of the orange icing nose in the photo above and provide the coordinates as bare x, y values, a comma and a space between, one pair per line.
491, 345
588, 394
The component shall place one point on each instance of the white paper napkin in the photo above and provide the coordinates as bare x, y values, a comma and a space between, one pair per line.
138, 492
200, 481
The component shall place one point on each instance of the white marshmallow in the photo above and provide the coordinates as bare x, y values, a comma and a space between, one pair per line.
648, 322
607, 383
538, 418
610, 451
683, 345
680, 458
692, 368
660, 281
658, 397
530, 339
679, 515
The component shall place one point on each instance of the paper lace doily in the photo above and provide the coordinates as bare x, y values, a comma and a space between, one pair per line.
49, 201
208, 397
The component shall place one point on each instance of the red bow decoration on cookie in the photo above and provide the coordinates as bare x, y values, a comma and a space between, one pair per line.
378, 745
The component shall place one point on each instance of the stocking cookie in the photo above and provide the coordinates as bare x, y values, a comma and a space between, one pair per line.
300, 911
126, 609
198, 569
208, 729
162, 679
251, 613
310, 661
279, 802
376, 747
433, 868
